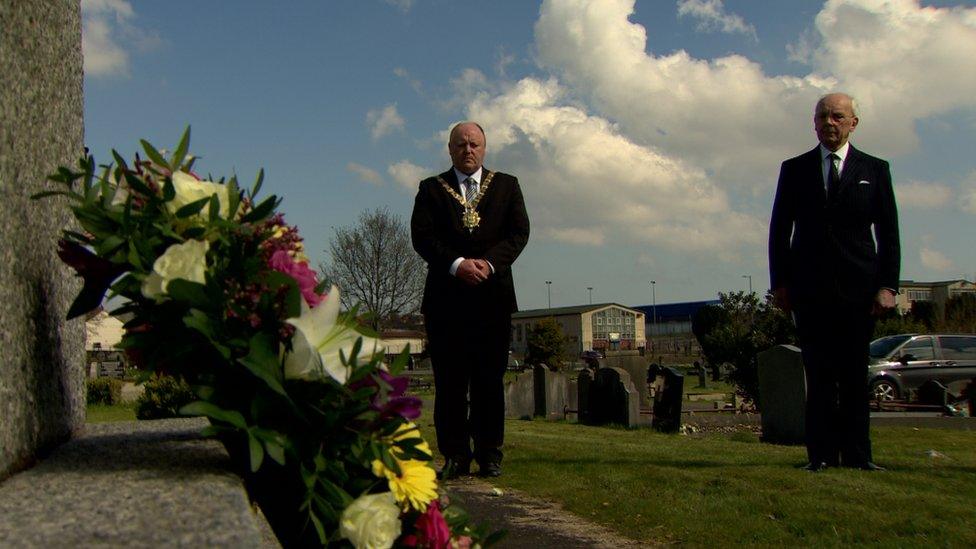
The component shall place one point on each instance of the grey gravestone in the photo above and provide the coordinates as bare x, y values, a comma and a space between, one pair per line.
637, 367
519, 397
667, 400
613, 398
933, 393
782, 394
42, 363
550, 392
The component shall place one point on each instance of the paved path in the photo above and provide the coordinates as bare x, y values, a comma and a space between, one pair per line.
531, 522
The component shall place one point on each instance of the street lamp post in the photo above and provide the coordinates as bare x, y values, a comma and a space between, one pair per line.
590, 288
654, 305
549, 292
750, 282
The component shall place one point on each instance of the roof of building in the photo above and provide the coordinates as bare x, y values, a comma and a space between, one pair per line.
566, 311
674, 311
933, 283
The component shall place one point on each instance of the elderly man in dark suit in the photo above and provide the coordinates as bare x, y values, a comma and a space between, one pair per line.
835, 274
469, 224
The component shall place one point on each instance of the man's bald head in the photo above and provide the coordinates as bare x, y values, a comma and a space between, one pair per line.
467, 146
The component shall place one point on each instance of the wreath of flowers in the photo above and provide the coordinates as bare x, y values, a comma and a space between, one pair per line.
218, 291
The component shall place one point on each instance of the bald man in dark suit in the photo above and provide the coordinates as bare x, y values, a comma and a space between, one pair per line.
834, 259
469, 224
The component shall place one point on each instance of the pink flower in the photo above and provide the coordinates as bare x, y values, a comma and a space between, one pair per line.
432, 530
463, 542
306, 278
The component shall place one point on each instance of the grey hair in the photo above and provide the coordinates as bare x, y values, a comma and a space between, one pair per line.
854, 106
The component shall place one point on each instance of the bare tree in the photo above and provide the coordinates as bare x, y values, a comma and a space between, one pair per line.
373, 264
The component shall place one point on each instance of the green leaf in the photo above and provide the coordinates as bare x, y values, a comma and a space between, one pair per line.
257, 184
275, 451
177, 161
293, 299
214, 208
262, 210
186, 291
319, 529
69, 194
262, 361
137, 184
257, 452
119, 161
401, 360
154, 155
169, 191
193, 208
234, 192
200, 321
133, 257
201, 408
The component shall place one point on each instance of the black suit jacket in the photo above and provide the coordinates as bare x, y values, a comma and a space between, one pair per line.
822, 248
440, 237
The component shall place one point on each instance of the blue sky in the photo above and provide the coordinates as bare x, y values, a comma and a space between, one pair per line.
647, 135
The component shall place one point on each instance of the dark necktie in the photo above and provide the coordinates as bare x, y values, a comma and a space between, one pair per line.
833, 176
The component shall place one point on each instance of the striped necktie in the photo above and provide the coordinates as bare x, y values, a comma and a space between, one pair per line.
470, 188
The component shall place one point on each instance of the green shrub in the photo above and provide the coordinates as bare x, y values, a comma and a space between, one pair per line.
163, 398
104, 390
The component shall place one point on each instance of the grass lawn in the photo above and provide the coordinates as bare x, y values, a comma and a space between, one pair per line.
722, 489
101, 413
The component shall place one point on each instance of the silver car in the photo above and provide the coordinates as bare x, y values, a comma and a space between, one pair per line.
899, 364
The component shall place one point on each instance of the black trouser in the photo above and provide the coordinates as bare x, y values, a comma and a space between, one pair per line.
834, 340
469, 353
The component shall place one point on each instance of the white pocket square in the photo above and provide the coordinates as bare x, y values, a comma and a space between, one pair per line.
863, 182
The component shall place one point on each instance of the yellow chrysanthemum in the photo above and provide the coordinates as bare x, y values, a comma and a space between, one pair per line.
415, 486
409, 430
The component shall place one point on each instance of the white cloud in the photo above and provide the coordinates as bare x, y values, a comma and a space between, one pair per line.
402, 5
967, 194
586, 183
922, 195
364, 173
904, 62
711, 15
106, 23
727, 116
932, 258
414, 83
407, 174
586, 237
384, 122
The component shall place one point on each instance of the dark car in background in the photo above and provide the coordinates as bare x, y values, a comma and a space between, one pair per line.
900, 364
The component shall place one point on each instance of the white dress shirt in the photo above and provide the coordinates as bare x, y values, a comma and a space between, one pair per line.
461, 176
825, 160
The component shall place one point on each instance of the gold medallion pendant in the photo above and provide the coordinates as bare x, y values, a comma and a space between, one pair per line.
470, 218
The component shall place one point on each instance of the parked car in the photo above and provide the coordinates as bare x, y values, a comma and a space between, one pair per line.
901, 363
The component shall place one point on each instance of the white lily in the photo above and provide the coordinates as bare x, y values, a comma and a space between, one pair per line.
318, 340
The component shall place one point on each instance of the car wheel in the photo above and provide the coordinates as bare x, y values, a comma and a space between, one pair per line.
884, 389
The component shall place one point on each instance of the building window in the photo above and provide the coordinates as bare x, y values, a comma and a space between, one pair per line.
919, 295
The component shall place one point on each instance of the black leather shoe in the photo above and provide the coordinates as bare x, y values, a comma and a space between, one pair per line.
815, 466
869, 466
454, 468
490, 469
